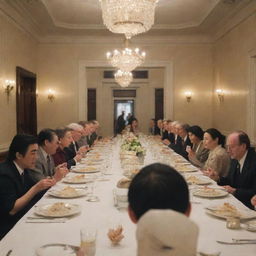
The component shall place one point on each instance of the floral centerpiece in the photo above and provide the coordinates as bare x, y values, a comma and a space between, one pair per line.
131, 143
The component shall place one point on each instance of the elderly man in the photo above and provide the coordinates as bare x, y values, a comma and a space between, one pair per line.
86, 131
163, 189
74, 149
18, 192
241, 178
48, 143
182, 140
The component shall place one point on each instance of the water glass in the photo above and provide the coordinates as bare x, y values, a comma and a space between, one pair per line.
88, 237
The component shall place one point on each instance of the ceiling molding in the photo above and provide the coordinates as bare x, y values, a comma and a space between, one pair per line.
15, 12
233, 20
181, 39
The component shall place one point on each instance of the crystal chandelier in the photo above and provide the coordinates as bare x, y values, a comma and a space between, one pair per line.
129, 17
123, 78
127, 59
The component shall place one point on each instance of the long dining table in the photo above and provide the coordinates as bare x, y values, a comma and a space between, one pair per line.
26, 236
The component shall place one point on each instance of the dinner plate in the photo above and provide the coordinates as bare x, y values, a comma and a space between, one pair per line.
56, 250
243, 213
197, 180
76, 179
60, 194
215, 193
185, 168
89, 169
46, 210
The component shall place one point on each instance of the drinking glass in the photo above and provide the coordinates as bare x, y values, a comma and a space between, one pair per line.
88, 237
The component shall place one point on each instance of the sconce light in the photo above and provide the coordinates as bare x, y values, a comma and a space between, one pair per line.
188, 95
8, 86
51, 95
220, 94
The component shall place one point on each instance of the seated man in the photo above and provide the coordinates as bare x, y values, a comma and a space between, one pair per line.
241, 178
18, 192
48, 143
74, 149
182, 140
160, 187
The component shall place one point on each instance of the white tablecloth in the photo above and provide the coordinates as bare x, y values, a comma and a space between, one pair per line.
24, 238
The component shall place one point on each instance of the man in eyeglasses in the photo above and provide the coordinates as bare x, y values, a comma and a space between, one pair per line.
241, 178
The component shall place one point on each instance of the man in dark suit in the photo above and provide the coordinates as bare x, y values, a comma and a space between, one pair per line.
120, 123
18, 192
241, 178
182, 141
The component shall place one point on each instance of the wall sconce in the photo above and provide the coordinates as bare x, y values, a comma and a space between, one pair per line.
51, 95
8, 86
220, 94
188, 95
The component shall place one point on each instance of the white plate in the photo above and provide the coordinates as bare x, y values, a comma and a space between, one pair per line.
199, 181
72, 180
72, 209
203, 193
185, 168
85, 170
57, 193
56, 250
245, 213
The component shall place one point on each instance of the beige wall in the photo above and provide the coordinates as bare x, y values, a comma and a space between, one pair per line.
231, 62
16, 49
58, 69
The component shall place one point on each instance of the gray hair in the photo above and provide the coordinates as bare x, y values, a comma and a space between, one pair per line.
75, 127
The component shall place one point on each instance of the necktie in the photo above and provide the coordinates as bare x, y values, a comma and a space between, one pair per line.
49, 165
22, 177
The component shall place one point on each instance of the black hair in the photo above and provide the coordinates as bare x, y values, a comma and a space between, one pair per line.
20, 144
244, 139
158, 186
217, 134
197, 131
61, 132
45, 134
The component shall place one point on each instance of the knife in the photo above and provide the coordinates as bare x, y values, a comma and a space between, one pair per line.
236, 243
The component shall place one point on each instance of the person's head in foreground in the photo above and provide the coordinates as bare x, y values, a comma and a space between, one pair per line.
159, 203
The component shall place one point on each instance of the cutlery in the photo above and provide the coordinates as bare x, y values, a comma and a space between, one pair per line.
209, 254
9, 253
236, 243
243, 240
45, 221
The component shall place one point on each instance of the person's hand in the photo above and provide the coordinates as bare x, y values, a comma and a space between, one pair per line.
63, 165
211, 174
78, 157
82, 150
44, 184
191, 153
253, 200
166, 142
230, 189
60, 172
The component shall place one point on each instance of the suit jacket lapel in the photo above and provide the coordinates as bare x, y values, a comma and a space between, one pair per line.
43, 161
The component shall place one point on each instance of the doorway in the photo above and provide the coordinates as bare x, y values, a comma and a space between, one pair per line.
126, 105
26, 102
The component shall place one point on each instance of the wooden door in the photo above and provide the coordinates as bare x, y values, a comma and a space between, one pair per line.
159, 103
91, 104
26, 102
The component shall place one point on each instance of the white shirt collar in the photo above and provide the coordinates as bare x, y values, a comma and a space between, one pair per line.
185, 138
20, 170
44, 153
241, 161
